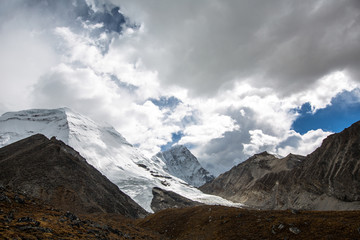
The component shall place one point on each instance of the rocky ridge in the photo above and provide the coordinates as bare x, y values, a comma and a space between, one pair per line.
327, 179
55, 173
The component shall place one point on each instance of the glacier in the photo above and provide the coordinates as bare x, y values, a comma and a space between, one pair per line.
104, 148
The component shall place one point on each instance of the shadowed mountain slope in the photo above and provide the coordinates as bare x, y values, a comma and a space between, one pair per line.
57, 174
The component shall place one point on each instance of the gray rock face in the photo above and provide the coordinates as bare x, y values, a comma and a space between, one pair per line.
181, 163
239, 182
57, 174
327, 179
334, 168
166, 199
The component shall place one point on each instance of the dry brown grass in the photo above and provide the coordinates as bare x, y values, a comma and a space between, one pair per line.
28, 218
218, 222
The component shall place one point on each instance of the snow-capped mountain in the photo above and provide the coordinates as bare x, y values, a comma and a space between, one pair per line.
181, 163
105, 149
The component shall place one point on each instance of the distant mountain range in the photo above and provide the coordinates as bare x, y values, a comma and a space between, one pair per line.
327, 179
109, 152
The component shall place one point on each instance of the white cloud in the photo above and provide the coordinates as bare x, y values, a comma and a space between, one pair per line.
25, 55
324, 89
209, 127
78, 48
258, 141
302, 144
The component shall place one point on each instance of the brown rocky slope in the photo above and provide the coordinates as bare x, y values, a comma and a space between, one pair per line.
55, 173
23, 217
327, 179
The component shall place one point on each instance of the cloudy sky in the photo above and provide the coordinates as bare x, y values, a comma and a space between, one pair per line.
226, 78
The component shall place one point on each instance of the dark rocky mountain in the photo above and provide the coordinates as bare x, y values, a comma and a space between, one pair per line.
55, 173
167, 199
327, 179
246, 175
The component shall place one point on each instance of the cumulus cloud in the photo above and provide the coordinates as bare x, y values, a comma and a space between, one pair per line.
264, 123
301, 144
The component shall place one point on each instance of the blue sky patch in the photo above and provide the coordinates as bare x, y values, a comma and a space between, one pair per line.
166, 102
343, 111
175, 137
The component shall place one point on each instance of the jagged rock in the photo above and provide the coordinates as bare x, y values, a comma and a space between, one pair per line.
71, 216
294, 230
281, 226
26, 219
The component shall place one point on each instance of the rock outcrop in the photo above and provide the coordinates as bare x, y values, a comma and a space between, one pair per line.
55, 173
167, 199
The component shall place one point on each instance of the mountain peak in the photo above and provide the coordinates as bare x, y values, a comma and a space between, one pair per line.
265, 153
181, 163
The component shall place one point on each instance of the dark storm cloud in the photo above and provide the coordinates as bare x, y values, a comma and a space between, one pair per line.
312, 40
220, 154
286, 45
